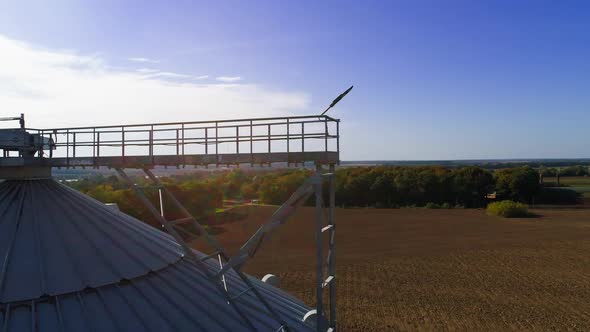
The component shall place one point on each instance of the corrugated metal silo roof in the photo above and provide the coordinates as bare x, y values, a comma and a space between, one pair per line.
54, 240
68, 263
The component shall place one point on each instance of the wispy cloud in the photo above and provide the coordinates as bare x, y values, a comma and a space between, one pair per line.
228, 79
147, 70
57, 88
145, 60
167, 74
156, 73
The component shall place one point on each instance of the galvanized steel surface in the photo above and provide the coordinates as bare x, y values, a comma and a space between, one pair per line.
68, 263
54, 240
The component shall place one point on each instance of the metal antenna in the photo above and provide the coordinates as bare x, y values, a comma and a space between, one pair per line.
338, 99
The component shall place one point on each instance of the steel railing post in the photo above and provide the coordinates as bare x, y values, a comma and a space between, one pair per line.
98, 145
74, 145
68, 148
177, 143
151, 144
288, 141
237, 140
123, 144
216, 144
93, 145
251, 145
183, 158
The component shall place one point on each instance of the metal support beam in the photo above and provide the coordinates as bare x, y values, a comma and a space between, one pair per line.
324, 224
146, 202
249, 249
332, 247
319, 252
217, 278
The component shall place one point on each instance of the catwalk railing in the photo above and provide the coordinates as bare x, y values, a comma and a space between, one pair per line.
296, 139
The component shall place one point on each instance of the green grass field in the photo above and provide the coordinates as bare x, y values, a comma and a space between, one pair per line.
580, 184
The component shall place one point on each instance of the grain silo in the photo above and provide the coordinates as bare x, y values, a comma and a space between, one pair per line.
71, 263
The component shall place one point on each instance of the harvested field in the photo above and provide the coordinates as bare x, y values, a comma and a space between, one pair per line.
418, 269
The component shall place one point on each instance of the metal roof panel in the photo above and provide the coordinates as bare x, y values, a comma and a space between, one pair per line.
54, 240
68, 263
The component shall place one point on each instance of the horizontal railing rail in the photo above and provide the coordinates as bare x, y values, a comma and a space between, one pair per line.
290, 135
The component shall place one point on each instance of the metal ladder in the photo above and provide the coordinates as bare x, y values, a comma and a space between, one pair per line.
324, 224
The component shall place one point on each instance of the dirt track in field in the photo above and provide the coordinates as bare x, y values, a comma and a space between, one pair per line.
418, 269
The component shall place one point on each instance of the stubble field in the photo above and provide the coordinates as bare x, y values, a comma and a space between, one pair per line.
418, 269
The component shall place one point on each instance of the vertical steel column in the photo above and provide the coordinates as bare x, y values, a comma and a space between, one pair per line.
331, 246
319, 247
288, 148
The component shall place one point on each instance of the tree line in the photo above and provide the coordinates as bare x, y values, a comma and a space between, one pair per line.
377, 186
201, 197
577, 170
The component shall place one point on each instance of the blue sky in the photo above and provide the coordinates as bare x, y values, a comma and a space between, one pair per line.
433, 79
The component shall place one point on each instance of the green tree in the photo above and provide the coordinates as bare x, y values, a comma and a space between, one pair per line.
520, 184
471, 184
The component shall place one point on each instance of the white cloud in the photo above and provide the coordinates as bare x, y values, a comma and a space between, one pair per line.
228, 79
146, 60
147, 70
155, 73
167, 74
55, 88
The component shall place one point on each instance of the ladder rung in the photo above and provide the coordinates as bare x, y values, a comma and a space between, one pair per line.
327, 227
181, 220
328, 281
